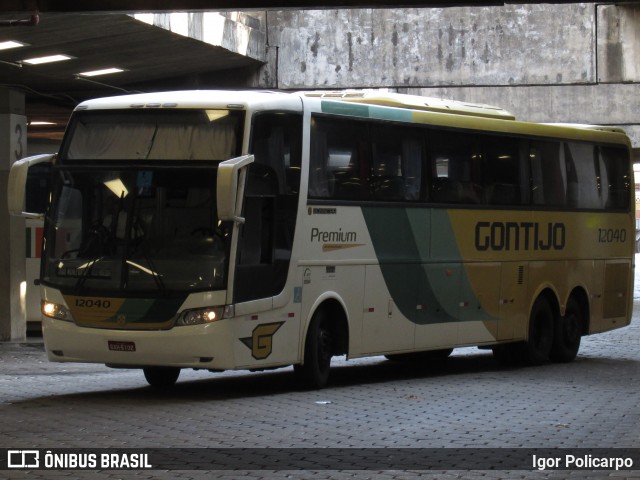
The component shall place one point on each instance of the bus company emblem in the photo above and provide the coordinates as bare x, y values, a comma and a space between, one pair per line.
261, 340
121, 319
500, 236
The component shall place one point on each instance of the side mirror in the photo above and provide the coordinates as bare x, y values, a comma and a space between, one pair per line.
28, 190
230, 187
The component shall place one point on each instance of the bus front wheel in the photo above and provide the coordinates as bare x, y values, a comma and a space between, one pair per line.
161, 377
314, 373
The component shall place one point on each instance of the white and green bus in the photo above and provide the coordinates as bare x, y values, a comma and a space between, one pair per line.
252, 230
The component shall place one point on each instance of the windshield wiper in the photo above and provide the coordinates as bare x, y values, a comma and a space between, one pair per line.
131, 248
157, 278
86, 268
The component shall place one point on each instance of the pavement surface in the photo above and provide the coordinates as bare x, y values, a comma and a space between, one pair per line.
467, 402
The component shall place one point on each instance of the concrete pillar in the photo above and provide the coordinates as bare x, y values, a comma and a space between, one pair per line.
13, 146
618, 43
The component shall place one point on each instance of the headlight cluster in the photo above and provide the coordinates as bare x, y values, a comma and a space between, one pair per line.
53, 310
198, 316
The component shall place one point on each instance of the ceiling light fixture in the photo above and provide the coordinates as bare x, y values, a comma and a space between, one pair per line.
11, 44
104, 71
47, 59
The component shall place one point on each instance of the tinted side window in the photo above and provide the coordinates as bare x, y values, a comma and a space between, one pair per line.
339, 167
548, 174
502, 177
582, 183
456, 167
615, 177
396, 163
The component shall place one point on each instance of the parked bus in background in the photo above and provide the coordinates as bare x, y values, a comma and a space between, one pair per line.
252, 230
34, 233
38, 194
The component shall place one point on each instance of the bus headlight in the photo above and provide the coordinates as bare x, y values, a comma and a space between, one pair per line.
53, 310
198, 316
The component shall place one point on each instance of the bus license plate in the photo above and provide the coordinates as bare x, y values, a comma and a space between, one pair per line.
122, 346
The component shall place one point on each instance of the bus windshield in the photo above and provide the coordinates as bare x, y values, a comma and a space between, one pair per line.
135, 230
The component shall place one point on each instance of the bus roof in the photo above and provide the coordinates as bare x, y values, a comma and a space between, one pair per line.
366, 103
239, 100
456, 115
242, 99
415, 102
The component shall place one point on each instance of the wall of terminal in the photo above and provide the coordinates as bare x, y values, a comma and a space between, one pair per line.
512, 45
547, 63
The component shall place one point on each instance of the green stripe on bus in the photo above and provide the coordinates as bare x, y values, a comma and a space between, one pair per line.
149, 310
414, 263
368, 111
394, 114
343, 108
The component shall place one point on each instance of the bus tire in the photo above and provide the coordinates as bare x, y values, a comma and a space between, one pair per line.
314, 373
568, 333
537, 348
161, 377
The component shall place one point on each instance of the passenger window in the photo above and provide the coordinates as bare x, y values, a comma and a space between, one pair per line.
501, 173
339, 166
548, 174
396, 163
615, 177
582, 184
456, 168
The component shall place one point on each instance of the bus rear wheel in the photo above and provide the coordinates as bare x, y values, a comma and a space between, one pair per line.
537, 348
314, 373
568, 333
161, 377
